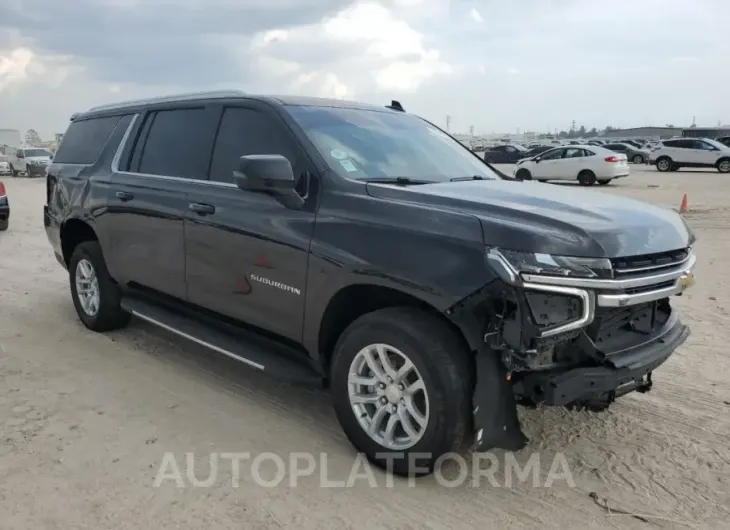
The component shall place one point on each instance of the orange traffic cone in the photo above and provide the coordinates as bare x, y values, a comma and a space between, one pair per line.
683, 207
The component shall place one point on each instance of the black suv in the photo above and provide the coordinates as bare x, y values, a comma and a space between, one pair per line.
364, 248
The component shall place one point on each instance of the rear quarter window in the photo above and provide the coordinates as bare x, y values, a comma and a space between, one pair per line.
83, 141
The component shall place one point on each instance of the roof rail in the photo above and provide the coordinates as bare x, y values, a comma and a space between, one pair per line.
395, 105
171, 99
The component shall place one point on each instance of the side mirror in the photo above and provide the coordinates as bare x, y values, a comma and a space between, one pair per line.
537, 159
270, 174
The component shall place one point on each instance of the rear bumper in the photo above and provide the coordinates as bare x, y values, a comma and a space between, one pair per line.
622, 373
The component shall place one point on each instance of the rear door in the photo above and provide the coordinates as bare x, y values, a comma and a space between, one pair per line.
169, 151
683, 151
247, 255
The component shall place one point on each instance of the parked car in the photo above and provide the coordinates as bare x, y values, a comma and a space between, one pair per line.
724, 140
635, 155
5, 166
586, 164
537, 150
365, 249
674, 154
504, 154
31, 160
4, 208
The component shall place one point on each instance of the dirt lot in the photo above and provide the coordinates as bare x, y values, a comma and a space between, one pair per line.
85, 419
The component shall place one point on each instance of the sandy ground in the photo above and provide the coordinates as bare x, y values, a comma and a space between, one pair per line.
86, 419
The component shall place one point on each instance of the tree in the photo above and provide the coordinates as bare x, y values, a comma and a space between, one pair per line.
593, 132
582, 131
32, 138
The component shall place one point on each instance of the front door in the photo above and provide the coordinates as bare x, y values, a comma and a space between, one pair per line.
550, 165
246, 253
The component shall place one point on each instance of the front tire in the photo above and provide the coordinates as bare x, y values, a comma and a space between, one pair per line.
723, 166
664, 164
95, 295
402, 389
638, 159
586, 178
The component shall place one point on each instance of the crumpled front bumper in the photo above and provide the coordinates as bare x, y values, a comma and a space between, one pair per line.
624, 372
601, 376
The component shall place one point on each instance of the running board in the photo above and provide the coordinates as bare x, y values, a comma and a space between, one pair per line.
250, 349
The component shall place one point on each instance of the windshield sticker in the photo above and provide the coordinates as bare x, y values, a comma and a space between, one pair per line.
348, 166
338, 154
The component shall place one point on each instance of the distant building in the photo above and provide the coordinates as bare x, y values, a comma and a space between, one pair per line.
644, 132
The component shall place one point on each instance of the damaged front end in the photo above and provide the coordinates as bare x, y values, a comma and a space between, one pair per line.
569, 332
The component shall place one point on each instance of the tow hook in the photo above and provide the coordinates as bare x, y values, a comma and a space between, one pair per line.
645, 386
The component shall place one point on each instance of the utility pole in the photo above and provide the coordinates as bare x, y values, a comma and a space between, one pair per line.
448, 123
572, 126
471, 130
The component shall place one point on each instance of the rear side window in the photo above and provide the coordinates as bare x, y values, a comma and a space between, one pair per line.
83, 141
247, 132
177, 144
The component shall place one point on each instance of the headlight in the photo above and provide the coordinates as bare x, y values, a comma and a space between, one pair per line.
509, 263
4, 165
36, 162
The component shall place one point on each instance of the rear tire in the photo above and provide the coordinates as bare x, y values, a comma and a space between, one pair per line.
98, 305
524, 174
441, 362
4, 224
586, 178
604, 182
638, 159
664, 164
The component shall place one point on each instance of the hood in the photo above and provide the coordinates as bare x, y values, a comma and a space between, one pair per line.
547, 218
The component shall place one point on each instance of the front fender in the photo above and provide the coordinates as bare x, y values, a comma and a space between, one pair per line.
433, 255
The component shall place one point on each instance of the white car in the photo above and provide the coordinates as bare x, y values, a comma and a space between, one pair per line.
671, 155
30, 160
587, 164
4, 165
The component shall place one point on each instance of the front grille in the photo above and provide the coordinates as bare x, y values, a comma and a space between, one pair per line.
648, 263
615, 329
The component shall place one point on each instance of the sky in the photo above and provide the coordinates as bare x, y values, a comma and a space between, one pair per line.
498, 66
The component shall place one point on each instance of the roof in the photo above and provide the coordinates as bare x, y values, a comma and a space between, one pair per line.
231, 94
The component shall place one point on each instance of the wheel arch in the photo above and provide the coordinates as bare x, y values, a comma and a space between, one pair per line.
74, 232
355, 300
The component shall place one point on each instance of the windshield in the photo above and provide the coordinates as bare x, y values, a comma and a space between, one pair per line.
36, 152
370, 144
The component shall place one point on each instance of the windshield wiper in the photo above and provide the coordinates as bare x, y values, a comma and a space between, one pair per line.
473, 177
401, 181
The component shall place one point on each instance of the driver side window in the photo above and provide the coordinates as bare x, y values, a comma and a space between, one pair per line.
553, 155
244, 131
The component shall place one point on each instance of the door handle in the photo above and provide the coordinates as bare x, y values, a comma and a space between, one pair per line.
201, 209
124, 196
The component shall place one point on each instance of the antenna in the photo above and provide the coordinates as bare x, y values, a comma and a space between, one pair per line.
395, 105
